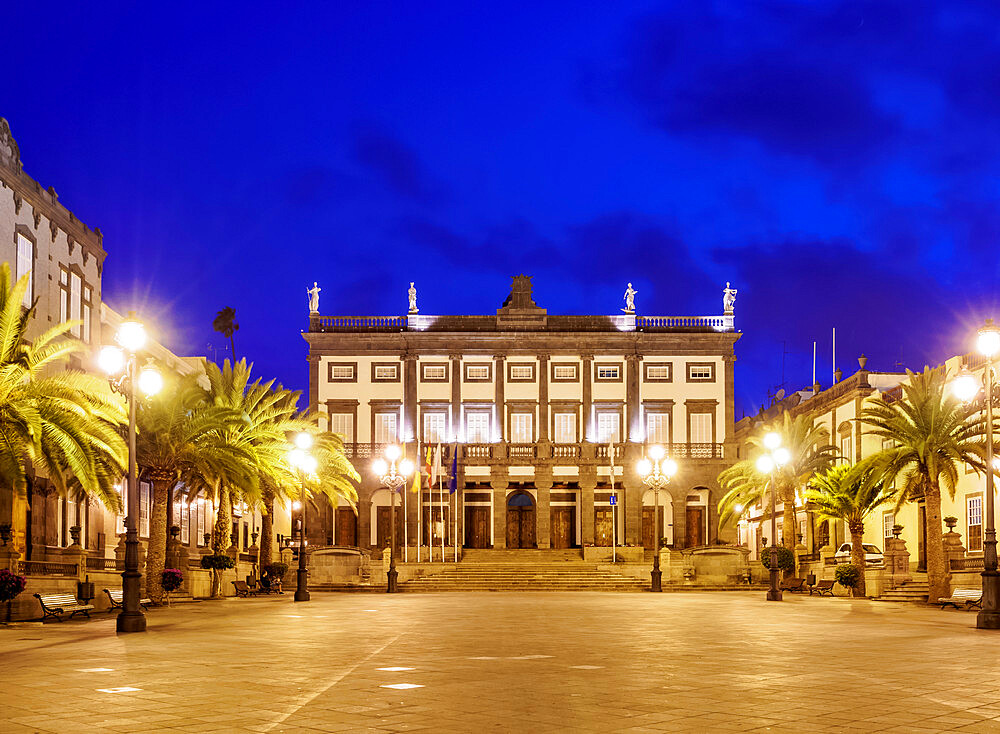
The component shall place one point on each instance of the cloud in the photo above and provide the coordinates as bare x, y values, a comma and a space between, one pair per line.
393, 162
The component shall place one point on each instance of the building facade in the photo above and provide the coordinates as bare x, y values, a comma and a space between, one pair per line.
543, 417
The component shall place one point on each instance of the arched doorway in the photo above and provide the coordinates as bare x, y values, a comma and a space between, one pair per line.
649, 519
520, 520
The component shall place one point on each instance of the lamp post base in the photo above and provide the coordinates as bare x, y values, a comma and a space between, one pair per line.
302, 585
391, 576
989, 617
774, 593
655, 578
130, 622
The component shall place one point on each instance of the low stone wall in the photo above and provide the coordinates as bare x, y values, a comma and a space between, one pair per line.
623, 554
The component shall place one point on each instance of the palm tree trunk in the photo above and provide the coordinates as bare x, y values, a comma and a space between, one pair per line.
788, 531
156, 552
938, 573
222, 535
267, 529
857, 529
232, 346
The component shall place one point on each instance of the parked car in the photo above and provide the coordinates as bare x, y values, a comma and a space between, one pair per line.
873, 556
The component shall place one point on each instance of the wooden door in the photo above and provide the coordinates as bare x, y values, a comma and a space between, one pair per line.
477, 527
437, 524
563, 527
520, 527
649, 528
347, 527
695, 527
383, 531
604, 526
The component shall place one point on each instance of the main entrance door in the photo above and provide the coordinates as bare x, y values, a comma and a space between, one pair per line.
649, 528
520, 520
383, 531
347, 526
695, 527
477, 527
604, 524
563, 527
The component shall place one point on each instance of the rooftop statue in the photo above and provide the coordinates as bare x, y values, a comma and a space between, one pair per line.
314, 297
412, 293
728, 299
629, 299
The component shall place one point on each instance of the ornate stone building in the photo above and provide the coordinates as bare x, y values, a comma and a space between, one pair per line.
546, 417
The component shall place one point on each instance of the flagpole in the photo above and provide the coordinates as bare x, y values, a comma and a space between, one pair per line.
406, 546
614, 508
420, 504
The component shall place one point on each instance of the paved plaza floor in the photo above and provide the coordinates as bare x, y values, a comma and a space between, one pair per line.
528, 662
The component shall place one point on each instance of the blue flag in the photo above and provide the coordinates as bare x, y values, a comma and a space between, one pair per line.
453, 482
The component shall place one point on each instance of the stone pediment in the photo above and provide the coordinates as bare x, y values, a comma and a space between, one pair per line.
519, 310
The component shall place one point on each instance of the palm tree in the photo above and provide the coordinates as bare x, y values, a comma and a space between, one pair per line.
63, 423
849, 493
931, 434
225, 323
744, 485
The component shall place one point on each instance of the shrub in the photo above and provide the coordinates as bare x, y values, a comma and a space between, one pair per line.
275, 570
217, 562
172, 579
786, 559
847, 575
11, 585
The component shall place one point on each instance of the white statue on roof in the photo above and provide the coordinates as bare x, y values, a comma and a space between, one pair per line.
728, 299
314, 297
629, 299
412, 293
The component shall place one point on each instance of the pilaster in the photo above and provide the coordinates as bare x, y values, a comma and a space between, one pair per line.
587, 370
632, 417
456, 393
499, 379
588, 482
499, 487
633, 491
543, 508
543, 397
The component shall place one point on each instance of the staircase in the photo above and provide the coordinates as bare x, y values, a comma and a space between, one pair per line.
911, 591
524, 570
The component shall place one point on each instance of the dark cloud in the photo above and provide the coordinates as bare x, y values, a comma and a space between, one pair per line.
393, 162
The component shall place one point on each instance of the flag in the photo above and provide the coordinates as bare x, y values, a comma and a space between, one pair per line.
428, 468
453, 483
436, 468
417, 480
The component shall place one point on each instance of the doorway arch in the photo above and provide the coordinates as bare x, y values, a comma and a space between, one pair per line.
520, 520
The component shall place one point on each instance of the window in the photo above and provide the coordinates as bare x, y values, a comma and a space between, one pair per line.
88, 296
477, 428
609, 427
434, 372
25, 266
845, 447
477, 373
343, 424
521, 372
385, 427
658, 428
185, 523
202, 511
343, 372
701, 372
888, 520
520, 428
145, 504
974, 522
435, 428
701, 428
658, 372
385, 372
565, 428
75, 293
63, 295
609, 372
564, 373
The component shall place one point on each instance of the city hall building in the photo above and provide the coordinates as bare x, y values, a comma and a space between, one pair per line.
543, 416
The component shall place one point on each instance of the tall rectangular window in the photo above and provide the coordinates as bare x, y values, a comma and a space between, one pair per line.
145, 505
520, 428
26, 266
88, 296
435, 428
343, 424
701, 428
185, 523
888, 520
658, 428
974, 520
845, 447
609, 427
75, 295
202, 513
63, 295
477, 427
565, 427
386, 427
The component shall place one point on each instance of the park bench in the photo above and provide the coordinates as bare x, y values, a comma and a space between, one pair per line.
55, 604
968, 598
825, 586
243, 589
792, 584
115, 596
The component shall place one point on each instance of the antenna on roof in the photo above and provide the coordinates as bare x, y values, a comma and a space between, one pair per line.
814, 363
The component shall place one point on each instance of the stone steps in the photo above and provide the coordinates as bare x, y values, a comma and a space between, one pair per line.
524, 570
909, 591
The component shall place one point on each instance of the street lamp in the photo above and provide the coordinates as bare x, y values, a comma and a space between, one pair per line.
305, 464
121, 365
776, 456
966, 387
656, 472
392, 473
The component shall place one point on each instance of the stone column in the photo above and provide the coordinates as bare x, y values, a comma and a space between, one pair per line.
499, 485
588, 395
632, 418
365, 517
499, 380
543, 509
543, 397
411, 433
678, 504
588, 481
728, 438
632, 492
456, 393
897, 561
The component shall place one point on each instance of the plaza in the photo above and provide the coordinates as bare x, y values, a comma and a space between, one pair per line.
475, 662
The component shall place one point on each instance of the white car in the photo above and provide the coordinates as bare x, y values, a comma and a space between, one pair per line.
873, 556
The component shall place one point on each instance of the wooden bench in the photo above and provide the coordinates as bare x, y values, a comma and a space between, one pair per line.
968, 598
55, 604
825, 586
243, 589
115, 596
792, 584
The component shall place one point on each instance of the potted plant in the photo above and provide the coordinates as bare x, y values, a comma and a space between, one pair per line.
786, 559
5, 533
217, 563
171, 579
897, 530
10, 586
951, 521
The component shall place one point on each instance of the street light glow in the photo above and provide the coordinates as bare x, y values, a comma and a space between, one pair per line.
406, 467
304, 440
309, 464
392, 452
765, 464
965, 386
988, 342
296, 457
132, 335
644, 467
772, 441
781, 456
150, 381
380, 467
111, 360
669, 467
656, 453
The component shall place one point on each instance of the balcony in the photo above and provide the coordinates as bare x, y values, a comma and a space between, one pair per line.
539, 452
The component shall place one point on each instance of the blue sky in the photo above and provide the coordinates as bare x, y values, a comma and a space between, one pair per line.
837, 161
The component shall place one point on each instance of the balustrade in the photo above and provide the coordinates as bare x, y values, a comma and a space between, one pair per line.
47, 568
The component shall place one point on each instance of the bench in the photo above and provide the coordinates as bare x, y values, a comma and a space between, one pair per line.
968, 598
825, 586
243, 589
115, 596
55, 604
792, 584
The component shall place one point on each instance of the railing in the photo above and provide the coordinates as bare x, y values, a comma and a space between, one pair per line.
104, 564
809, 557
248, 557
477, 451
47, 568
522, 451
530, 451
969, 563
696, 450
602, 450
357, 323
565, 451
654, 323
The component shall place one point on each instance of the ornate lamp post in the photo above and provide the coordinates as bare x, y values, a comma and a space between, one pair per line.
392, 474
656, 472
767, 463
966, 387
305, 464
121, 365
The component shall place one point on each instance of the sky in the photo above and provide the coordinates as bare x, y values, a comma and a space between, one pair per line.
835, 161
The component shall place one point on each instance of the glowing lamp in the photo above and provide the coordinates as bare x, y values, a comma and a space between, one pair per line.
738, 508
380, 467
644, 467
988, 342
132, 335
656, 453
296, 457
150, 381
111, 360
965, 386
296, 505
772, 441
304, 440
669, 467
392, 452
309, 464
781, 456
765, 464
406, 467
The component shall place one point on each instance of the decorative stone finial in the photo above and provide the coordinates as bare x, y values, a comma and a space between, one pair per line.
862, 361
